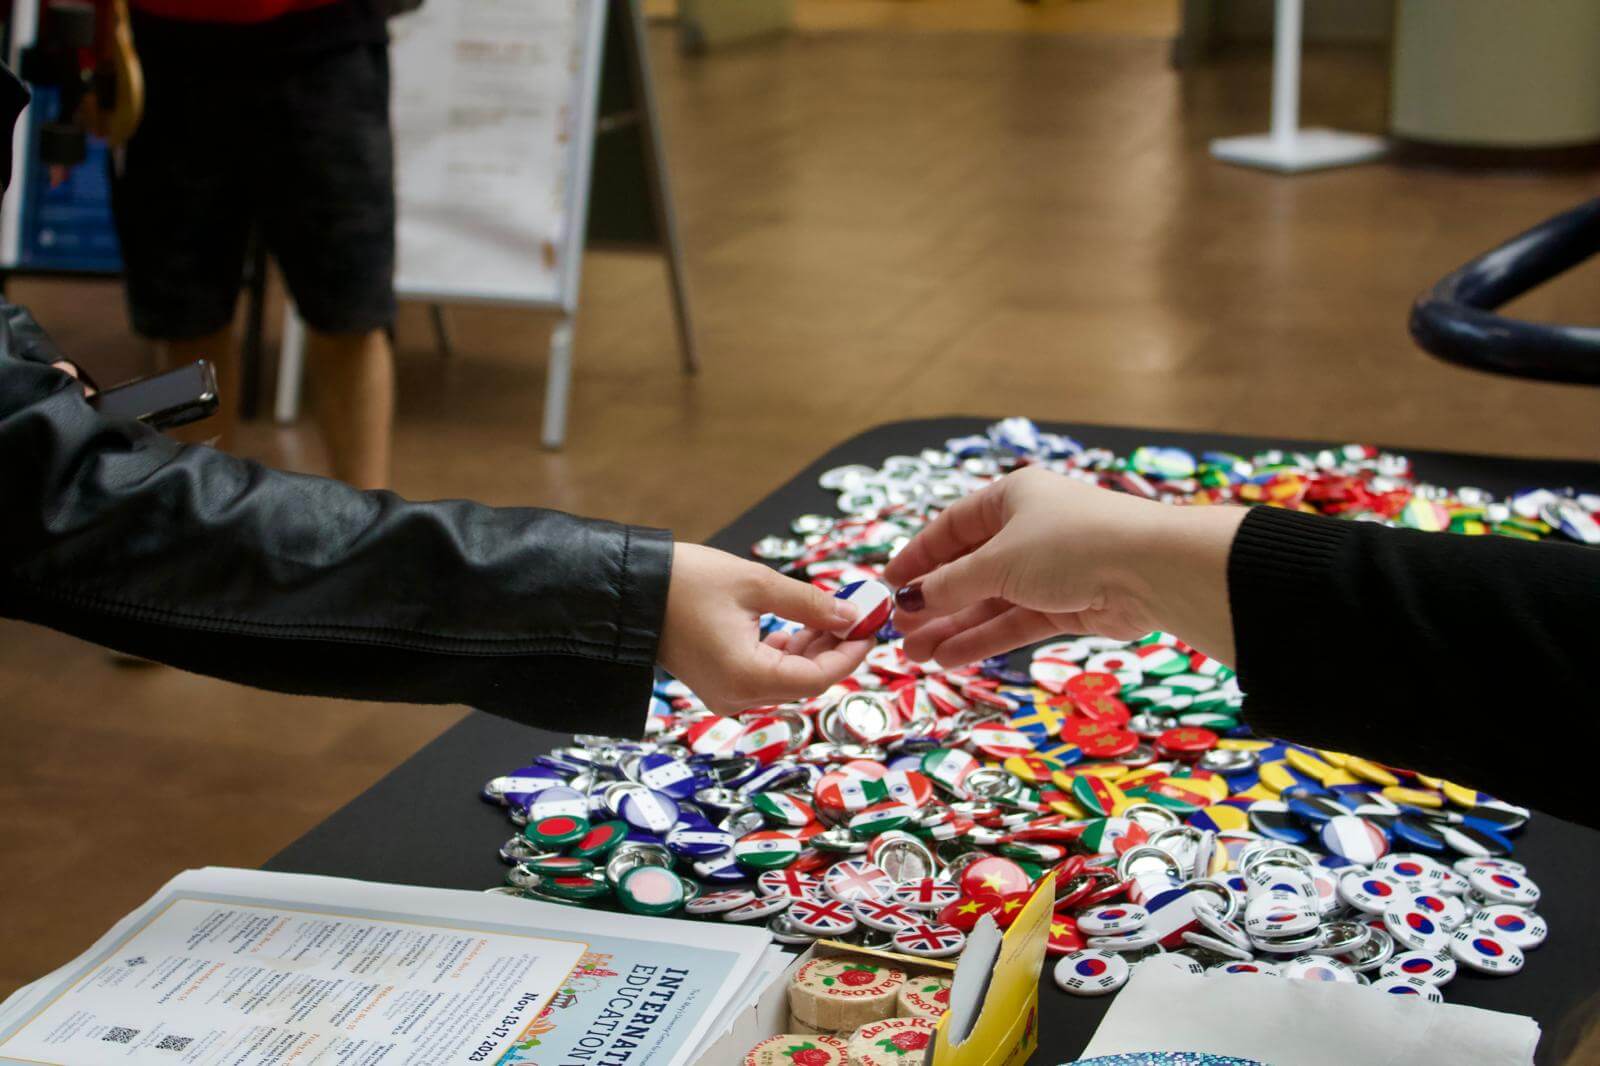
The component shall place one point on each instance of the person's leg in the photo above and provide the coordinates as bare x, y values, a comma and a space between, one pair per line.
326, 189
221, 351
181, 210
352, 382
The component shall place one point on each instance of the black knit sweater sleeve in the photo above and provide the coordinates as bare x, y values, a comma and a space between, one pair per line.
1463, 657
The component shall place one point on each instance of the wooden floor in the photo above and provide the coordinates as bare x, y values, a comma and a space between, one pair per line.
877, 227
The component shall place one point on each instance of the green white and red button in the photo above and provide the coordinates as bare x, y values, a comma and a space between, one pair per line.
768, 849
783, 809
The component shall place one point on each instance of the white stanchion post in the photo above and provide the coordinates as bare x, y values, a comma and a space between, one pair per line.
1287, 148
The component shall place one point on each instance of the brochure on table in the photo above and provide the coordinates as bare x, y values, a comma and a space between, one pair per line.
253, 968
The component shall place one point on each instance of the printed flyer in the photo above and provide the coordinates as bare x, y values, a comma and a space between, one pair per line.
266, 969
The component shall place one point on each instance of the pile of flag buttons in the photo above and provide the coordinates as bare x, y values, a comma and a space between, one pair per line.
900, 807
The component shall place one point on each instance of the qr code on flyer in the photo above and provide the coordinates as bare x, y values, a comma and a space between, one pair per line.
119, 1034
174, 1043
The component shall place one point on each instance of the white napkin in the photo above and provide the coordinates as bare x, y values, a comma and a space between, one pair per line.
1285, 1022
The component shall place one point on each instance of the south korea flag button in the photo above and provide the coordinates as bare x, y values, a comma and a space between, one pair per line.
1432, 967
1091, 972
1521, 927
1499, 886
1485, 952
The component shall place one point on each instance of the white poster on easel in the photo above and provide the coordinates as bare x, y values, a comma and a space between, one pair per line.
492, 106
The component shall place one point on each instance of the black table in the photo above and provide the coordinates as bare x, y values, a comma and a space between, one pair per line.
424, 824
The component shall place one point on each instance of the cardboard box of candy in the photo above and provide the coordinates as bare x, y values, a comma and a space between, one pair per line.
839, 1004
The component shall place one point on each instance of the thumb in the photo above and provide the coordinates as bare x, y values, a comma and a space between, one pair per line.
802, 602
957, 584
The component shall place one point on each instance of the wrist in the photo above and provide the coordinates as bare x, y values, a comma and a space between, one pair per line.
1179, 575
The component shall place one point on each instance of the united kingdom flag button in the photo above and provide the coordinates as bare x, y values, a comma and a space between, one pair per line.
930, 941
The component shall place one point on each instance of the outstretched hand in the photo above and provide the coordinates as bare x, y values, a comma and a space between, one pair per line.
1036, 554
710, 641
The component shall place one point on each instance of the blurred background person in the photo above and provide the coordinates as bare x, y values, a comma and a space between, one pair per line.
268, 117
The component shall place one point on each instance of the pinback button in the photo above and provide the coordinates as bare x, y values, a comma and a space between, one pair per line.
1122, 943
853, 879
1499, 886
576, 887
769, 849
994, 875
925, 894
1171, 959
558, 800
1098, 795
828, 917
930, 941
670, 775
1316, 810
885, 915
1261, 969
1186, 742
698, 840
1356, 839
1275, 914
873, 601
1496, 818
1063, 936
650, 890
1435, 968
1449, 910
1416, 929
719, 902
793, 883
653, 812
1466, 865
1112, 919
1111, 744
1273, 819
1091, 973
1418, 833
556, 831
559, 864
1405, 985
1373, 893
1485, 952
1475, 841
1514, 924
783, 810
758, 910
1319, 968
599, 839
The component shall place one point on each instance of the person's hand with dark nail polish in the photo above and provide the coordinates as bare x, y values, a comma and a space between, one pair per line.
1037, 554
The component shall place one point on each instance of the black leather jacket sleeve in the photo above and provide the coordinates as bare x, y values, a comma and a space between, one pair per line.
187, 556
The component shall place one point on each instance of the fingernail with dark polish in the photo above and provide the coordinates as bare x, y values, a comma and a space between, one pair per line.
909, 598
